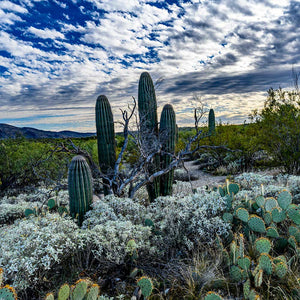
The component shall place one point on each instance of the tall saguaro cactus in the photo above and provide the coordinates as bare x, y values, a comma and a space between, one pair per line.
105, 138
211, 122
167, 132
80, 188
149, 127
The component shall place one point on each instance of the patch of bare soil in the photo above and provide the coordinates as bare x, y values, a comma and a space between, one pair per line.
203, 178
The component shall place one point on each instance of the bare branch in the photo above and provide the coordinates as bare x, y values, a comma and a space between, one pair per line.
126, 119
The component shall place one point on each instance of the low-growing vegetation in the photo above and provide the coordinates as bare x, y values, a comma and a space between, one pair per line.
135, 229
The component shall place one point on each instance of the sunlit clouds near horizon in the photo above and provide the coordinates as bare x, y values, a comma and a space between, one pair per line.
57, 56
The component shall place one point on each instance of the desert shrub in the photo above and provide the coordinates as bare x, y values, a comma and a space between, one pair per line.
251, 184
182, 188
108, 242
40, 194
31, 247
185, 223
11, 212
45, 246
13, 207
180, 223
36, 248
27, 162
250, 180
241, 139
278, 128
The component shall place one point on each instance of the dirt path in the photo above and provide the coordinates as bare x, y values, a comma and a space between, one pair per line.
203, 178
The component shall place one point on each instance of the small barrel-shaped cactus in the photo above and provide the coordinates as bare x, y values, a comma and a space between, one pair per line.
105, 138
211, 122
167, 132
147, 107
80, 186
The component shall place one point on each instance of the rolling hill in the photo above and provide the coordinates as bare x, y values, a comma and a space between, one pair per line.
9, 131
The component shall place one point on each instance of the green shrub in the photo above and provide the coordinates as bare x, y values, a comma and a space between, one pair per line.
278, 128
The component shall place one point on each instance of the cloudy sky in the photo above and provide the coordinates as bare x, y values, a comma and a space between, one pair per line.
57, 56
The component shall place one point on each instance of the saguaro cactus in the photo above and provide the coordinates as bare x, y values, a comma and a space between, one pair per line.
149, 127
167, 132
211, 122
105, 138
80, 187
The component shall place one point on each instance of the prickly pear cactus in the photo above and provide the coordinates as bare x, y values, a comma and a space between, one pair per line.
51, 204
105, 138
242, 214
64, 292
79, 290
167, 133
281, 269
93, 292
49, 296
1, 276
252, 260
80, 188
256, 224
7, 292
146, 286
147, 107
262, 245
83, 289
212, 296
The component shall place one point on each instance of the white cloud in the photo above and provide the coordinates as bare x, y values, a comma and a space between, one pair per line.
209, 41
31, 3
15, 47
7, 5
116, 5
46, 33
9, 18
61, 4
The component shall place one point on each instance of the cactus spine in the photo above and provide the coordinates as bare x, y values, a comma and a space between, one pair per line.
80, 187
167, 132
149, 127
211, 122
105, 137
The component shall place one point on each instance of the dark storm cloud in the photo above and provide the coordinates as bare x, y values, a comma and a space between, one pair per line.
227, 59
279, 43
259, 81
43, 96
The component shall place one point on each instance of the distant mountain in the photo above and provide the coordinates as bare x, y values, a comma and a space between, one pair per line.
9, 131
